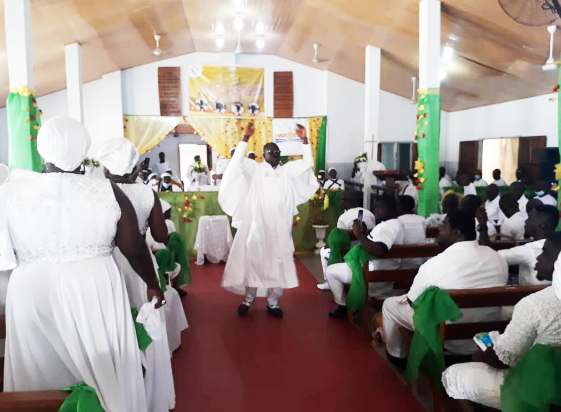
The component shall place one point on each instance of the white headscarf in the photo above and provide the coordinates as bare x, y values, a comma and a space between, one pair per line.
63, 142
119, 156
166, 175
557, 277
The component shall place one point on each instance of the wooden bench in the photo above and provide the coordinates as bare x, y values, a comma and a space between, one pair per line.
32, 401
470, 299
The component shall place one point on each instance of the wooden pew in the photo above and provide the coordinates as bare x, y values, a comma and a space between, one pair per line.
33, 401
469, 299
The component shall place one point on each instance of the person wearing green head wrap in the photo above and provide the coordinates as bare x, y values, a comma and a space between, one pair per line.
339, 238
536, 321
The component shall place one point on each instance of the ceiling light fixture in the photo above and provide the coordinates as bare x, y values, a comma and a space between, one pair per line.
442, 73
550, 62
219, 42
260, 43
238, 24
260, 27
447, 53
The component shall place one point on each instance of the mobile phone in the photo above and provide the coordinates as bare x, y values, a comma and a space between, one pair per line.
483, 340
360, 215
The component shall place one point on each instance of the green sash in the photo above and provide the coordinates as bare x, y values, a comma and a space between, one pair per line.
176, 244
356, 258
534, 383
144, 340
432, 308
166, 263
83, 398
338, 239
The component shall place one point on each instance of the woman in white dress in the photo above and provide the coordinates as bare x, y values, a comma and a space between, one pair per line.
67, 313
119, 157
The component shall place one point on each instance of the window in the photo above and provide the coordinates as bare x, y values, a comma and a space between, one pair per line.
397, 156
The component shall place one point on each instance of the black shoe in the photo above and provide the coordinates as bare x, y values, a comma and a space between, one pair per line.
182, 293
276, 311
339, 313
400, 363
243, 309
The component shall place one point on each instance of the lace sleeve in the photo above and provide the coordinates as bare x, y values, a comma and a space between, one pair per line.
520, 333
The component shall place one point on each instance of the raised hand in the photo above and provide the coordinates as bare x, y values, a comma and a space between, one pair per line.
301, 133
250, 129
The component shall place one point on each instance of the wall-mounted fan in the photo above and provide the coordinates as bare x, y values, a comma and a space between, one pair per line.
532, 12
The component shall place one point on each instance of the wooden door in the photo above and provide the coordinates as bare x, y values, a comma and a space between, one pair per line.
529, 149
469, 153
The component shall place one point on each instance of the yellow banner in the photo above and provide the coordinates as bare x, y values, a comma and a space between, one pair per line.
226, 91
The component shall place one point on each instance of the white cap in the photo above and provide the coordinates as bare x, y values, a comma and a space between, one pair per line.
119, 156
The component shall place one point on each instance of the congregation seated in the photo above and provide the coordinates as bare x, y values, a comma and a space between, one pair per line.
348, 201
515, 220
450, 202
414, 228
387, 232
542, 193
332, 182
444, 180
492, 204
466, 179
497, 176
533, 204
478, 179
472, 204
464, 264
536, 320
541, 224
517, 189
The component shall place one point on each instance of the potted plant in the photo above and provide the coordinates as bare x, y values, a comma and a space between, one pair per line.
320, 204
89, 165
361, 161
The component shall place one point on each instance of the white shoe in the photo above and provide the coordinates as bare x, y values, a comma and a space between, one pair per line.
323, 286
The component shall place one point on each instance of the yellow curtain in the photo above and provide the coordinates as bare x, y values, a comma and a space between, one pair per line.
147, 131
223, 134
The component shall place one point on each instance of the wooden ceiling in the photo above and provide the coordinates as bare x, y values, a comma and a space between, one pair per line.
496, 59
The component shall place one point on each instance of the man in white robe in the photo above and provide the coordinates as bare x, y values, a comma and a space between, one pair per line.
161, 166
370, 179
262, 199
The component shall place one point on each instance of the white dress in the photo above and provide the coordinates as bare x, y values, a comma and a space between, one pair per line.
158, 380
74, 324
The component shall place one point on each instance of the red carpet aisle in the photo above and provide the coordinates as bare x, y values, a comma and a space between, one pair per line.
302, 363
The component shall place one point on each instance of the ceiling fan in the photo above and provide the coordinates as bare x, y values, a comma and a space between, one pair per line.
316, 59
158, 51
532, 12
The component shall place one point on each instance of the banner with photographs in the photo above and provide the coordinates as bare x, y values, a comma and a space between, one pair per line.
287, 135
226, 91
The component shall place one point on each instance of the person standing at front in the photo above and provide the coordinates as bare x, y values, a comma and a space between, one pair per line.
262, 199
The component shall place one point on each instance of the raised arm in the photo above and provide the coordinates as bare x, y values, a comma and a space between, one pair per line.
133, 246
483, 229
306, 148
377, 249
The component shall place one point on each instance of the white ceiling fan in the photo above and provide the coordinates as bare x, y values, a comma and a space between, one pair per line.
316, 59
158, 51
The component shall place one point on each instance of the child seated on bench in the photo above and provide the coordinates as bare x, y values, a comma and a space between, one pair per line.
536, 319
464, 264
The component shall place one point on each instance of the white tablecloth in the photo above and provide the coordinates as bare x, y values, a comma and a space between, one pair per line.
214, 239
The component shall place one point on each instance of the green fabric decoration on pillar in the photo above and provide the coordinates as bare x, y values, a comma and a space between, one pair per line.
534, 383
322, 145
428, 145
176, 244
83, 398
356, 258
143, 338
24, 121
432, 308
338, 239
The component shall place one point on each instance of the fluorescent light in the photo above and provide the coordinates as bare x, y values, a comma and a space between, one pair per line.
442, 73
219, 28
260, 43
238, 24
260, 27
219, 41
447, 53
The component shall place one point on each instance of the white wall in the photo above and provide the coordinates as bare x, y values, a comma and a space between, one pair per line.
535, 116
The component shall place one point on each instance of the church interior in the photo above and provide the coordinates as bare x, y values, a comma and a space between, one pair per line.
294, 205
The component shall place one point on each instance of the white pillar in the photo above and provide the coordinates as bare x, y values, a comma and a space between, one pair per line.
113, 108
19, 42
73, 59
429, 44
373, 65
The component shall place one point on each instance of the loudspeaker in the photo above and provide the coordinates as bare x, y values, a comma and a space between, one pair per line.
549, 157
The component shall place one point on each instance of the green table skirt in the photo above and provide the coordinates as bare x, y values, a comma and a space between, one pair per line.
206, 204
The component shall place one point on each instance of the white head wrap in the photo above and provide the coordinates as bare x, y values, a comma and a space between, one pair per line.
557, 278
119, 156
165, 175
63, 142
330, 169
152, 175
165, 206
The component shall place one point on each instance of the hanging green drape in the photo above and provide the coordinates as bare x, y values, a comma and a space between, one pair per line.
428, 145
322, 145
24, 121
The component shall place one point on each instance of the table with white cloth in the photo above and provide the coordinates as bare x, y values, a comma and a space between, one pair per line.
214, 239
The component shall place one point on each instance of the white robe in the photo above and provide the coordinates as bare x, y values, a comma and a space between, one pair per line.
370, 179
262, 202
